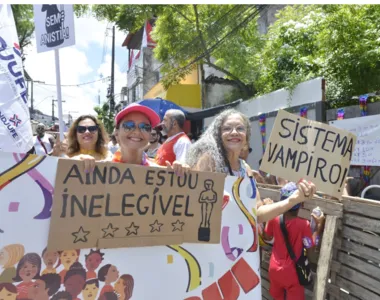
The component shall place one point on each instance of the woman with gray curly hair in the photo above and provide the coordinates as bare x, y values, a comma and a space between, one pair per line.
218, 150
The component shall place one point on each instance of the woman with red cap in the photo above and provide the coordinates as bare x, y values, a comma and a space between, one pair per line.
133, 126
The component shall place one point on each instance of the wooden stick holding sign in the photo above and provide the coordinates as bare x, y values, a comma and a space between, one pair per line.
302, 149
120, 205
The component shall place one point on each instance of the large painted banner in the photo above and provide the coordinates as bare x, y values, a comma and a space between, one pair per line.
189, 271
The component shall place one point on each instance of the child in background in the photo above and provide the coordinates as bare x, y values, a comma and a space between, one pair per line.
283, 277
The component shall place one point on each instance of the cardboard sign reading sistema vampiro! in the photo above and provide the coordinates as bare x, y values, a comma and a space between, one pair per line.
302, 149
121, 205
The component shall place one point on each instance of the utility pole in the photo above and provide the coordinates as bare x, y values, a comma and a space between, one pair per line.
112, 98
31, 94
52, 108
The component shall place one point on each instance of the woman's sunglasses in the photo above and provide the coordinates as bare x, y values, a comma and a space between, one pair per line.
131, 125
83, 129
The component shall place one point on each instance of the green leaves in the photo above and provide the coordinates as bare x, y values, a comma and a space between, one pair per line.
337, 42
186, 33
105, 116
23, 15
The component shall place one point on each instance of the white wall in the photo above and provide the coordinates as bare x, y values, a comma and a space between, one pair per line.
306, 92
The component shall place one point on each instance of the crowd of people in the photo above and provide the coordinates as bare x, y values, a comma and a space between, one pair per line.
223, 147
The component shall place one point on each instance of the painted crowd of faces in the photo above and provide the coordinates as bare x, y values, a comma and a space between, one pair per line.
60, 276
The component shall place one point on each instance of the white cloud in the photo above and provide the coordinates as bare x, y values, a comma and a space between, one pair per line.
120, 78
91, 30
74, 67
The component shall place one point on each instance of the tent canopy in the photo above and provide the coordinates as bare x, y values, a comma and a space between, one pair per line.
160, 106
210, 112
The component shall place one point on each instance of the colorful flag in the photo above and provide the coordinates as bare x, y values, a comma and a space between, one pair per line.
262, 121
147, 40
303, 112
15, 127
340, 114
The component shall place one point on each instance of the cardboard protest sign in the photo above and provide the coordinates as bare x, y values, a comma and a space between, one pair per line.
230, 269
302, 149
120, 205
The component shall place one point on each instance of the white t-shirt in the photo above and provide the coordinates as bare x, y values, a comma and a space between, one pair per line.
37, 145
181, 147
112, 148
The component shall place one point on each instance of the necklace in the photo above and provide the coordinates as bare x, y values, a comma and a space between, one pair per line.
89, 152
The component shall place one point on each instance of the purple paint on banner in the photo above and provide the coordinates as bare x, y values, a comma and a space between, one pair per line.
46, 187
48, 196
13, 206
241, 229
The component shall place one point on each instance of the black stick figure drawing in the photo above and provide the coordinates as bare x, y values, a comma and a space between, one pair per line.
54, 22
207, 199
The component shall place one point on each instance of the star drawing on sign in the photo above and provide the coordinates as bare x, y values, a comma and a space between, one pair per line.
132, 229
177, 225
109, 231
156, 226
80, 235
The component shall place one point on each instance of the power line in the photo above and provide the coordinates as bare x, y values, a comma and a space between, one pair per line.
78, 84
211, 29
252, 12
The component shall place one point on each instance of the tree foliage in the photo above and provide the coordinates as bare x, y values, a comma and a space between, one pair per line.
127, 17
220, 36
337, 42
105, 116
23, 15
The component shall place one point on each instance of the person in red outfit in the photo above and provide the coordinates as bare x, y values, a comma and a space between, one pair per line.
178, 143
283, 278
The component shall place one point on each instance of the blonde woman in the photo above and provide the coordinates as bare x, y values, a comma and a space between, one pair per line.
10, 255
87, 138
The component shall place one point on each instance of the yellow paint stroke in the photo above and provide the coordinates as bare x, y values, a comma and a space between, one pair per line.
235, 191
170, 259
22, 167
254, 211
193, 267
250, 218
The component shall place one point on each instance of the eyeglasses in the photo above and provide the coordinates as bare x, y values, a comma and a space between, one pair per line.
83, 129
229, 129
131, 125
153, 134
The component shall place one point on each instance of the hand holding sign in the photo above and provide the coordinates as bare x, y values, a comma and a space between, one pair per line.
89, 162
306, 191
179, 168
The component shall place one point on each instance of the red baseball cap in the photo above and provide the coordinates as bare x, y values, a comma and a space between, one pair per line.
153, 117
